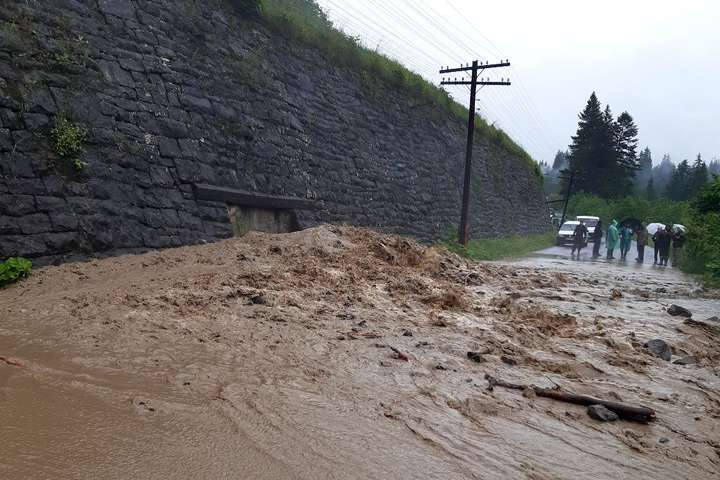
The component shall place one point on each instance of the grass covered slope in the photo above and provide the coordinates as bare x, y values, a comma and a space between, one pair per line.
304, 21
499, 248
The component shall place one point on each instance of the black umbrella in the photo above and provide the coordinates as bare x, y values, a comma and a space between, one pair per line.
633, 223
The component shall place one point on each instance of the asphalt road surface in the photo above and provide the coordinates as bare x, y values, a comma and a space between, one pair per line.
586, 255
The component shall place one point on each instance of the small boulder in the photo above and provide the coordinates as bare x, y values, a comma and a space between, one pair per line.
659, 348
678, 311
687, 360
601, 413
476, 357
508, 360
258, 299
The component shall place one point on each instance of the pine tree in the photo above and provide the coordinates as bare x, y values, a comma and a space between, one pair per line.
698, 176
662, 173
604, 151
561, 160
678, 187
714, 166
586, 147
650, 193
644, 173
626, 146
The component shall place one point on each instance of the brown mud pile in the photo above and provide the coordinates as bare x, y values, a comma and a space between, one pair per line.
342, 353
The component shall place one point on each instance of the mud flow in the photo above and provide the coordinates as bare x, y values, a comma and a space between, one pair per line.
343, 353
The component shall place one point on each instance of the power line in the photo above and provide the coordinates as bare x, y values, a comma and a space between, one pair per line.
383, 33
533, 110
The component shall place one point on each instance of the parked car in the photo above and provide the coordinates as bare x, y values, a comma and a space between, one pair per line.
590, 222
566, 234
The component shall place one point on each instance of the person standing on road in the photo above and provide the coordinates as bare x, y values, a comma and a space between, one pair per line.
655, 237
664, 237
612, 239
626, 235
642, 237
678, 239
597, 239
580, 237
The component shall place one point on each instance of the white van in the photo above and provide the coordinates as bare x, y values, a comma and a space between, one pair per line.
590, 223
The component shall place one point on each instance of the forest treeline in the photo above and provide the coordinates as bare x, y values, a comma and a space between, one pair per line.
604, 155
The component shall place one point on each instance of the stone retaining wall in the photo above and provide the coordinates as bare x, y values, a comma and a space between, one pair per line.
173, 93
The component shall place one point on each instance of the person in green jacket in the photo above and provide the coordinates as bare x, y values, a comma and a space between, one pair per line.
612, 239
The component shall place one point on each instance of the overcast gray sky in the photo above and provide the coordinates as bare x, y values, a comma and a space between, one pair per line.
657, 59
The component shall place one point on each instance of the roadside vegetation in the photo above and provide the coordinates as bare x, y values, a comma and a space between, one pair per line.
499, 248
702, 252
305, 22
661, 210
14, 269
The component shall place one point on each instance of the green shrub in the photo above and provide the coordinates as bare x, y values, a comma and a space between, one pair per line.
701, 253
68, 141
661, 210
14, 269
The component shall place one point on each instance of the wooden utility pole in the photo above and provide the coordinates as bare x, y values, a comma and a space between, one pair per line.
567, 196
474, 69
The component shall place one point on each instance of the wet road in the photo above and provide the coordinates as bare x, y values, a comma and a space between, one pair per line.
586, 255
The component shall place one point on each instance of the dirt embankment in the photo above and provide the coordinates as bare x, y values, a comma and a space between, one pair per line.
342, 353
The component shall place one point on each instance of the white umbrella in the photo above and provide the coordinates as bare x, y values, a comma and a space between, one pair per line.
652, 228
677, 227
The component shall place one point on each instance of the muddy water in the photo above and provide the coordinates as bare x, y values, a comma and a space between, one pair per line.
269, 357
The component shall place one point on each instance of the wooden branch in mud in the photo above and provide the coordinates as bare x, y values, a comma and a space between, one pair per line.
11, 362
628, 412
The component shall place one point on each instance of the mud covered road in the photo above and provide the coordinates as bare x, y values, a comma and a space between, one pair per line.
341, 353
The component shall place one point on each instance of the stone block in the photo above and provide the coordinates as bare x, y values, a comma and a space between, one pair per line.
172, 128
17, 205
197, 104
119, 8
115, 74
64, 242
22, 245
168, 147
63, 221
35, 223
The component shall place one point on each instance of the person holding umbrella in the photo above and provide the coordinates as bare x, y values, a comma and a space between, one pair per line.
612, 239
664, 237
657, 228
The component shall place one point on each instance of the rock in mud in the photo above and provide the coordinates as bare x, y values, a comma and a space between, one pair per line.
476, 357
508, 360
659, 348
601, 413
711, 324
678, 311
407, 333
687, 360
258, 299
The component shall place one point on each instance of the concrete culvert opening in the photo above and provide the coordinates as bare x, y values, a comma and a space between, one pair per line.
246, 219
254, 211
